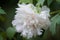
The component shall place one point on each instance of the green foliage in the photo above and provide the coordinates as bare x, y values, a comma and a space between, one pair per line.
54, 21
40, 2
10, 32
25, 1
58, 1
49, 2
2, 11
1, 38
7, 12
2, 18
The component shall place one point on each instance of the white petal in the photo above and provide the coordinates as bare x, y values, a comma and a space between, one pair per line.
45, 8
29, 22
19, 28
21, 5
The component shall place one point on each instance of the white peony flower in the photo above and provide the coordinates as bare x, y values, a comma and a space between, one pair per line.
29, 22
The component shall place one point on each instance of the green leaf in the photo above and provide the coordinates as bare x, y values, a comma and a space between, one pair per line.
11, 32
25, 1
53, 28
2, 11
1, 38
2, 18
58, 1
55, 20
40, 2
49, 2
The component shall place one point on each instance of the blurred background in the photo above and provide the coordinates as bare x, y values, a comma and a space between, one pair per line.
7, 12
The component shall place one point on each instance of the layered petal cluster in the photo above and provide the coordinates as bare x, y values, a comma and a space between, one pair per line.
29, 22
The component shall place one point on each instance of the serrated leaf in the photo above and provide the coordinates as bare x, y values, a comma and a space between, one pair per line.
49, 2
2, 11
25, 1
40, 2
1, 38
11, 32
55, 20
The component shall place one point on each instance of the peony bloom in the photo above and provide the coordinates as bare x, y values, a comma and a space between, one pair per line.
29, 22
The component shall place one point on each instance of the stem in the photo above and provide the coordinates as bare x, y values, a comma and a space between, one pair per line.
55, 12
